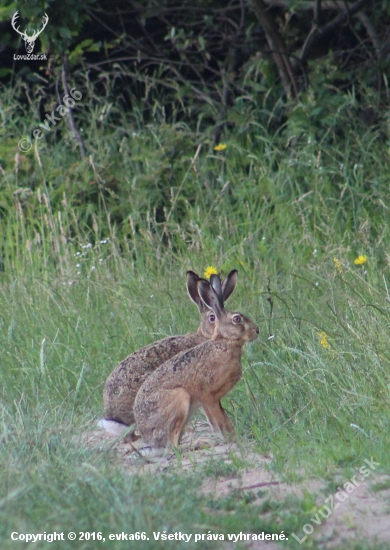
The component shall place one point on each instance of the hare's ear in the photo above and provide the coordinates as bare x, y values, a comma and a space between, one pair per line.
210, 297
229, 284
192, 288
215, 282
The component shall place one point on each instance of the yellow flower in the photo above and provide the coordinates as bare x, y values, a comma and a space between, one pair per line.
324, 340
220, 147
210, 270
360, 260
338, 265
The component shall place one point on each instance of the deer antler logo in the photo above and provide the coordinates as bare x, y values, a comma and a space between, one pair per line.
29, 40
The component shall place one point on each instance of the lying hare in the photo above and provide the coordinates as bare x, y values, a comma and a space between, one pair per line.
124, 382
198, 377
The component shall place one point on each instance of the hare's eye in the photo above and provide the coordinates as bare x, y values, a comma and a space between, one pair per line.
237, 319
212, 318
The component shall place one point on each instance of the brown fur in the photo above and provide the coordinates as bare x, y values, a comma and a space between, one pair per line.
124, 382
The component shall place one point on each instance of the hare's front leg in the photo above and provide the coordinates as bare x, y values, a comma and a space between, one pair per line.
217, 417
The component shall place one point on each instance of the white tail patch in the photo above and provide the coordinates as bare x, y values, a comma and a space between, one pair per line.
112, 427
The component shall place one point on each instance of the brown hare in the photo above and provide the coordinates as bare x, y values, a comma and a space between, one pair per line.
198, 377
124, 382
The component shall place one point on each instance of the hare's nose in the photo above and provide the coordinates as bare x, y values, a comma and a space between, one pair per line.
257, 330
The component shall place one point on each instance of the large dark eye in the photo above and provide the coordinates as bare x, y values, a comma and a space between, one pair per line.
211, 317
237, 319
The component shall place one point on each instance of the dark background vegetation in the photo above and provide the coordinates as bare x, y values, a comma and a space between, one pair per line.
297, 69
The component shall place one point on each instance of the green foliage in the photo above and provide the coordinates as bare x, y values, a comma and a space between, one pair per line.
323, 109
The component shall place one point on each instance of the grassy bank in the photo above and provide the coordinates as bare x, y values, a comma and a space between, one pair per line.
93, 260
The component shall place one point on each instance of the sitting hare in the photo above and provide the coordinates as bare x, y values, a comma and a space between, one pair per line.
124, 382
198, 377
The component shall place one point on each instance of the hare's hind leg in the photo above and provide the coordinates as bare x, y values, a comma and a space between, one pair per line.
218, 418
176, 413
161, 418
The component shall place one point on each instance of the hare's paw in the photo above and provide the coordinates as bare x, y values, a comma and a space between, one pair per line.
148, 452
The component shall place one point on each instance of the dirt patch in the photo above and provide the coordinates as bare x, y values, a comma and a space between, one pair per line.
354, 515
364, 515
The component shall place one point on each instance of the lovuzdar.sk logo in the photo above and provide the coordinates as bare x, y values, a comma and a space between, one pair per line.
29, 40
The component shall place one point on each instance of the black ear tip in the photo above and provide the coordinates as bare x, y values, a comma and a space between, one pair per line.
192, 274
215, 281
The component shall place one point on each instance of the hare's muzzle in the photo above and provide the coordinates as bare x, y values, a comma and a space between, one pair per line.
253, 333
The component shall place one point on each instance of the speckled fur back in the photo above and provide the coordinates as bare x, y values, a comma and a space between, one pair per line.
124, 382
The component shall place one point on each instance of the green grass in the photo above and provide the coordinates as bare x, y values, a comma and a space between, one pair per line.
93, 256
